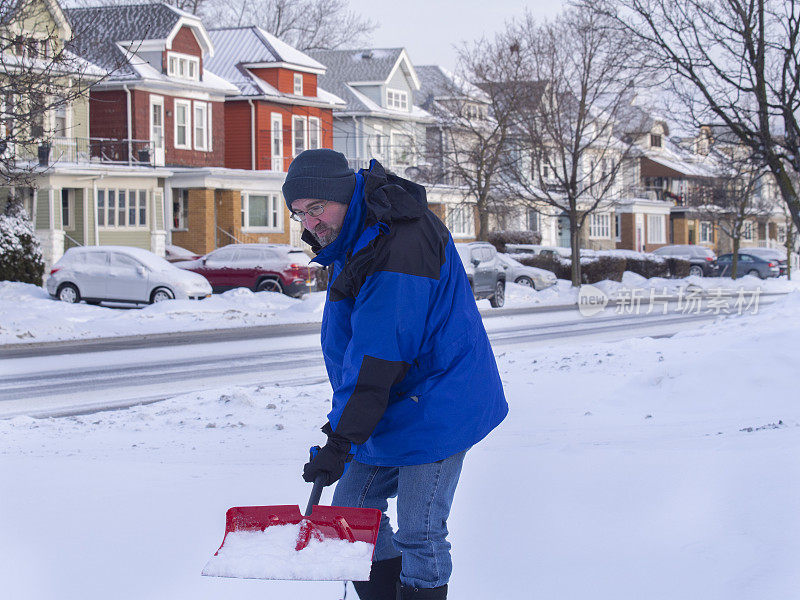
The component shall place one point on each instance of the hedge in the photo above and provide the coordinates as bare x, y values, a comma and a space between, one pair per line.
499, 239
599, 268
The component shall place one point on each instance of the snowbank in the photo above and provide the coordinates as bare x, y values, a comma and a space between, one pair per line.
28, 314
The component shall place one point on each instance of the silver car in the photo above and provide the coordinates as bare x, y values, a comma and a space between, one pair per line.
98, 274
533, 277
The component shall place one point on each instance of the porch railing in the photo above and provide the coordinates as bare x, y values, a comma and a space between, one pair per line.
87, 151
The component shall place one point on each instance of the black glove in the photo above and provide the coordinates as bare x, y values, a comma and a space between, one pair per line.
330, 460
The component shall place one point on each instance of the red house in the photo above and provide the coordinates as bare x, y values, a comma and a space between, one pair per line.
279, 111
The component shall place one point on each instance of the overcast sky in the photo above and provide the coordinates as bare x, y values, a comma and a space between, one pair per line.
428, 29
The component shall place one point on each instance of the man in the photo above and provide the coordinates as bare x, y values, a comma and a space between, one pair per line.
414, 380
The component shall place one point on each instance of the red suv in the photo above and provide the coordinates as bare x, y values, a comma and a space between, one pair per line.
260, 267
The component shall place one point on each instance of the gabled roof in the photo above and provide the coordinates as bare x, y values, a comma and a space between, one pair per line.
239, 49
9, 13
437, 83
364, 65
347, 69
100, 30
252, 46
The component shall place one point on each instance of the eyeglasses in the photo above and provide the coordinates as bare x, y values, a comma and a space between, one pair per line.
314, 211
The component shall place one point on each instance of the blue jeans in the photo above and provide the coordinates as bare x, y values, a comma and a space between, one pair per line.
424, 496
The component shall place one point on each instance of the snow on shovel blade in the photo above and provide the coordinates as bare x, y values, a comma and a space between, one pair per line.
277, 542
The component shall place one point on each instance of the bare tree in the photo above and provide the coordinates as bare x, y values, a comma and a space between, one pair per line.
38, 75
574, 130
475, 115
733, 199
736, 62
304, 24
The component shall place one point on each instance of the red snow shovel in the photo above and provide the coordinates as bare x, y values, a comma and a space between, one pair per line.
327, 543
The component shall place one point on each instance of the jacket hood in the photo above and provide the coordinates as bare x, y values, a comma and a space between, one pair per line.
379, 197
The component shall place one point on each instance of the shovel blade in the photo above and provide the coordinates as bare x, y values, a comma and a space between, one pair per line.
278, 542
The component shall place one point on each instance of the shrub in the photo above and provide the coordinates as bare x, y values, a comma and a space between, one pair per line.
678, 268
20, 252
499, 239
603, 267
562, 269
647, 267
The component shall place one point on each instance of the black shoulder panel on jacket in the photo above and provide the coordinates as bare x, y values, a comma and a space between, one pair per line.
369, 400
415, 247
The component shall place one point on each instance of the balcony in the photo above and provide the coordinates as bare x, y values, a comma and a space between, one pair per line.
61, 150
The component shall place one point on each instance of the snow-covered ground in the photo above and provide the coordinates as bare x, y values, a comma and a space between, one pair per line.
29, 314
659, 469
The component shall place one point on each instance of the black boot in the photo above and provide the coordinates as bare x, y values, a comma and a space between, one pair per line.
384, 580
412, 593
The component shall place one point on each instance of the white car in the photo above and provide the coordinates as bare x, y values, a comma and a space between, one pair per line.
534, 277
98, 274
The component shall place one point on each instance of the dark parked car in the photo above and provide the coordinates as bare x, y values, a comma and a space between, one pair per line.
484, 271
748, 264
772, 255
260, 267
703, 260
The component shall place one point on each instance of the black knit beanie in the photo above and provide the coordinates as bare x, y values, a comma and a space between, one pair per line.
320, 174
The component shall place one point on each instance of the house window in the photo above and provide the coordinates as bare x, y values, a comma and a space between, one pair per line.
183, 66
201, 126
402, 149
122, 208
180, 209
600, 225
262, 212
533, 220
314, 133
618, 227
67, 209
61, 119
461, 221
397, 99
378, 142
276, 144
706, 232
655, 140
298, 135
781, 234
747, 231
298, 84
183, 124
655, 229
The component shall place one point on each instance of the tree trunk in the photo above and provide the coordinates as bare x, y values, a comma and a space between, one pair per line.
735, 258
789, 248
574, 238
483, 225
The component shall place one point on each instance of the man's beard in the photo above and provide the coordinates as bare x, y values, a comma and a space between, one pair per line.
327, 235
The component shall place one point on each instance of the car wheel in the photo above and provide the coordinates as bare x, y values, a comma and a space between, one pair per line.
270, 285
754, 273
160, 295
69, 293
526, 281
499, 298
696, 271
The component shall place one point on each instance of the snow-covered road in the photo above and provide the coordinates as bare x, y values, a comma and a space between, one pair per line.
645, 468
48, 384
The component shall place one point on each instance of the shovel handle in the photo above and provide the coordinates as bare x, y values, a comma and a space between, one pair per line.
316, 494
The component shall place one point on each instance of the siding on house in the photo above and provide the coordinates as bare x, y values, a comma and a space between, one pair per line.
184, 42
138, 239
283, 80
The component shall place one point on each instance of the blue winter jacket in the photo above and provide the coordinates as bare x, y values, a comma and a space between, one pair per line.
413, 375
